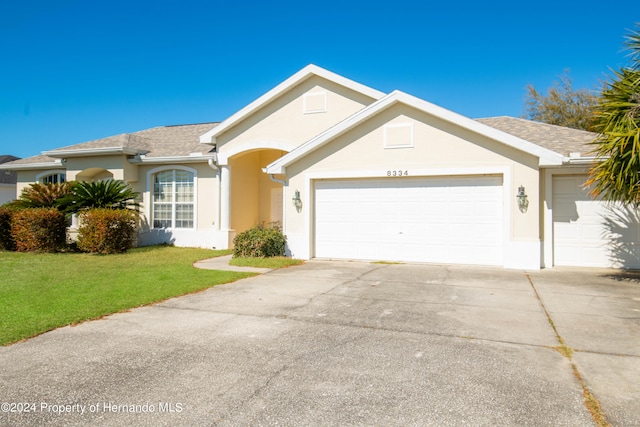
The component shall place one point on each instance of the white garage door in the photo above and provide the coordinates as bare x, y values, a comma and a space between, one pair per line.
444, 220
588, 232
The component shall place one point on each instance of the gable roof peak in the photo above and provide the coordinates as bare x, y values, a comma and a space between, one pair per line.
546, 156
293, 81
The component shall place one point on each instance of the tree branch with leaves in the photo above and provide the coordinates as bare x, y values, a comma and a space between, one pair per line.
617, 175
562, 105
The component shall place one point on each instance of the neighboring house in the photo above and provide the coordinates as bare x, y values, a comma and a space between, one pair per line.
8, 181
353, 173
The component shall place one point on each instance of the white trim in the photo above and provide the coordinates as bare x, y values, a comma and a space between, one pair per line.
225, 155
307, 95
225, 197
386, 127
414, 173
42, 165
182, 237
200, 158
92, 152
546, 157
148, 195
302, 75
522, 254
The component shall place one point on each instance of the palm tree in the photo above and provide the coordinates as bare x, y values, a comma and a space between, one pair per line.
43, 196
101, 194
617, 176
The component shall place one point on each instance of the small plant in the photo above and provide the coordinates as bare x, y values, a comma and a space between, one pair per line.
107, 231
43, 196
111, 194
260, 241
39, 230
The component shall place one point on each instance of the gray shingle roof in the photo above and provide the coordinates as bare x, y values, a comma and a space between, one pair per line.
182, 140
33, 160
560, 139
161, 141
123, 140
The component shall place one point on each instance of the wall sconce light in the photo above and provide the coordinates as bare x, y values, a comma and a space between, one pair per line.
297, 202
523, 202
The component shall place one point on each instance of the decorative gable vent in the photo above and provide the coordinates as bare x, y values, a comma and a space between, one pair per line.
398, 135
315, 102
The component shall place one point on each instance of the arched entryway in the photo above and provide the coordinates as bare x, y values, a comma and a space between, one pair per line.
94, 174
255, 198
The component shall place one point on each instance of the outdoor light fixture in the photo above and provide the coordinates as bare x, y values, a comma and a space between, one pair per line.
523, 203
297, 202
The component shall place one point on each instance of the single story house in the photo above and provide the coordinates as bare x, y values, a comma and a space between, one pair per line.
354, 173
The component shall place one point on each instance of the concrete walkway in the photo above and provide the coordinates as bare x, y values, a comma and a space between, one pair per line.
345, 344
222, 263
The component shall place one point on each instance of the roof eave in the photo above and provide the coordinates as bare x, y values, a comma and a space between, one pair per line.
173, 159
85, 152
40, 165
587, 160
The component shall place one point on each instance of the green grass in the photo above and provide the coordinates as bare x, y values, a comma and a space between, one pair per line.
271, 262
40, 292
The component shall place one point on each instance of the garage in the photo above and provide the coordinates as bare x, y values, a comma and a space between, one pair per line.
590, 233
457, 220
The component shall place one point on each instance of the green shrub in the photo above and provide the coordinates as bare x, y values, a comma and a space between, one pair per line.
259, 242
111, 194
107, 231
44, 196
6, 239
39, 229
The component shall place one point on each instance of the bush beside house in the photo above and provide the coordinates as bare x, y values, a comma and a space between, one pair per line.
37, 221
107, 231
260, 241
39, 230
6, 239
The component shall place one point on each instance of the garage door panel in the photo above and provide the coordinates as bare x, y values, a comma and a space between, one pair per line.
445, 220
485, 232
487, 209
589, 232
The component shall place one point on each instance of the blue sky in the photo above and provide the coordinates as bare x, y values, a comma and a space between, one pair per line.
74, 70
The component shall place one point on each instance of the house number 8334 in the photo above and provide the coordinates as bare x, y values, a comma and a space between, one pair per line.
397, 173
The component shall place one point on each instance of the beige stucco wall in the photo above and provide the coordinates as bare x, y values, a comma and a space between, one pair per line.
439, 148
270, 192
7, 193
244, 191
252, 190
93, 167
26, 177
284, 119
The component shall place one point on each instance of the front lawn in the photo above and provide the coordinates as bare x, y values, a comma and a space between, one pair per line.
40, 292
269, 262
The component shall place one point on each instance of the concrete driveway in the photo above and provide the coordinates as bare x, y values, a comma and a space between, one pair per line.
345, 343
